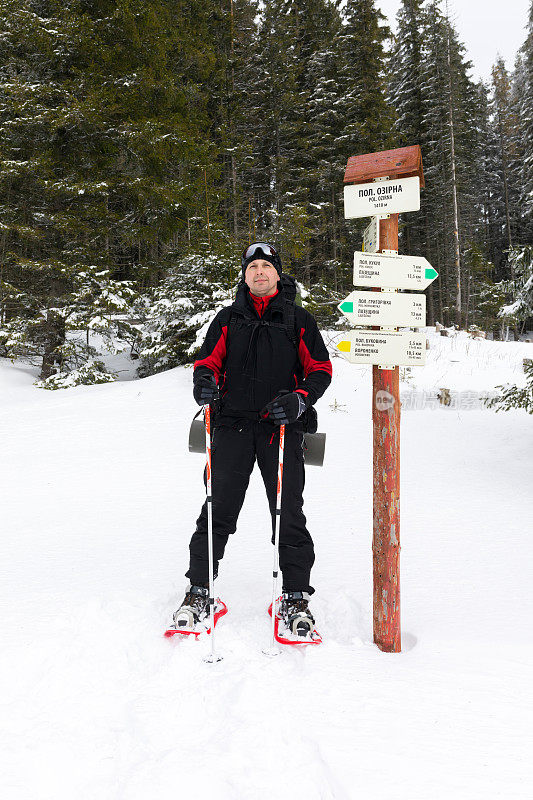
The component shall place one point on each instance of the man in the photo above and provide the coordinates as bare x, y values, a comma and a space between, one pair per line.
263, 364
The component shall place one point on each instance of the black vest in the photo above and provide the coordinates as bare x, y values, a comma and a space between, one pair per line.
261, 353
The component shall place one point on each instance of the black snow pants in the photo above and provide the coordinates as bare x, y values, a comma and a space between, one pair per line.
233, 454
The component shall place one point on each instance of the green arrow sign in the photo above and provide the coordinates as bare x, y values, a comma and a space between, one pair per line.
385, 308
396, 272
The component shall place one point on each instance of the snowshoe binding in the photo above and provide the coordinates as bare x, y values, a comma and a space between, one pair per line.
294, 623
192, 617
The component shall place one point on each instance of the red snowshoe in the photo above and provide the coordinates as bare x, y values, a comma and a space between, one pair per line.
294, 625
192, 618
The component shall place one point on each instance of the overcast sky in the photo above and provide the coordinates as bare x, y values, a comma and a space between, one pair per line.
486, 28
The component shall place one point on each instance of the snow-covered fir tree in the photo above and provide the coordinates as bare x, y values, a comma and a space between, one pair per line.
514, 396
142, 140
526, 128
178, 311
519, 287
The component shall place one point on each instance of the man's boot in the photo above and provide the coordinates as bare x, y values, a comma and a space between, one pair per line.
195, 607
294, 610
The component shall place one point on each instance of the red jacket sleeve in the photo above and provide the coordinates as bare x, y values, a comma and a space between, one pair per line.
212, 354
315, 360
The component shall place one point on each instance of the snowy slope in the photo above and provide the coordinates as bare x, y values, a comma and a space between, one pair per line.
99, 498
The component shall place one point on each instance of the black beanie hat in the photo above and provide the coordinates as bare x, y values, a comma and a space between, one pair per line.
260, 250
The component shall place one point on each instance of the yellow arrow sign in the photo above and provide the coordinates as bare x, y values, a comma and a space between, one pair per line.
384, 347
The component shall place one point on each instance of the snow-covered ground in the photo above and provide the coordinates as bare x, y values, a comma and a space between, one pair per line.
99, 499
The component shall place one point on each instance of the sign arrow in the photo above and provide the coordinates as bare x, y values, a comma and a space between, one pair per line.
385, 308
394, 272
379, 347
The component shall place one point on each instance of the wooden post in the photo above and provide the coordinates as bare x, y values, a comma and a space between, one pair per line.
386, 484
401, 163
207, 210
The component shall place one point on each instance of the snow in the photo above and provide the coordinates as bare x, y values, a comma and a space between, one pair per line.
100, 497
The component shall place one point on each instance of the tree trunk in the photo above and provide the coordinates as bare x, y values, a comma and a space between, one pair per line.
51, 332
468, 289
440, 282
458, 311
207, 210
431, 306
430, 295
334, 240
333, 221
505, 190
307, 270
232, 131
234, 193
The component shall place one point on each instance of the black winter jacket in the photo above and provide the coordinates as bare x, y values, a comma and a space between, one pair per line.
253, 357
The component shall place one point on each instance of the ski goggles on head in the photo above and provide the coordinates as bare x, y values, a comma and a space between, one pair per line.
254, 248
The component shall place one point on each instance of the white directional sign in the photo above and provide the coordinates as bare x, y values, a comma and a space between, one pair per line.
385, 308
392, 196
371, 236
398, 272
377, 347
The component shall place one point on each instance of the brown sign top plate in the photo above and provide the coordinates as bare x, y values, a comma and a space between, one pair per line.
404, 162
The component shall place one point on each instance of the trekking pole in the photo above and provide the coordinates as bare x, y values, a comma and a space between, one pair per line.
274, 650
207, 416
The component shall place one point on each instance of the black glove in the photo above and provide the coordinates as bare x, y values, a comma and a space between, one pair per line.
205, 389
285, 408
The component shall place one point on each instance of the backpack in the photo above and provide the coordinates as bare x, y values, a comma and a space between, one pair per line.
308, 422
288, 284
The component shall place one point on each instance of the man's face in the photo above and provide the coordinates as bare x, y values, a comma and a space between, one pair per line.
261, 277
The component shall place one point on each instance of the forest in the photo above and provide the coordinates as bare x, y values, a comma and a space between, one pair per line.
144, 144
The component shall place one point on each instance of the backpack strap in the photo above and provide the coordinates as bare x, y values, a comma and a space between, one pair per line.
289, 321
289, 318
239, 320
289, 302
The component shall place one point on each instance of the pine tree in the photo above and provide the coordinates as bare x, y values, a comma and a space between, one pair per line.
178, 311
283, 170
518, 149
512, 397
405, 84
363, 116
407, 98
450, 100
103, 115
526, 126
505, 125
367, 116
327, 165
237, 112
484, 295
519, 288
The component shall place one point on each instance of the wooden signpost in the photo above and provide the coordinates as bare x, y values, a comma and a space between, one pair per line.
383, 197
386, 183
384, 347
371, 236
402, 272
385, 308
